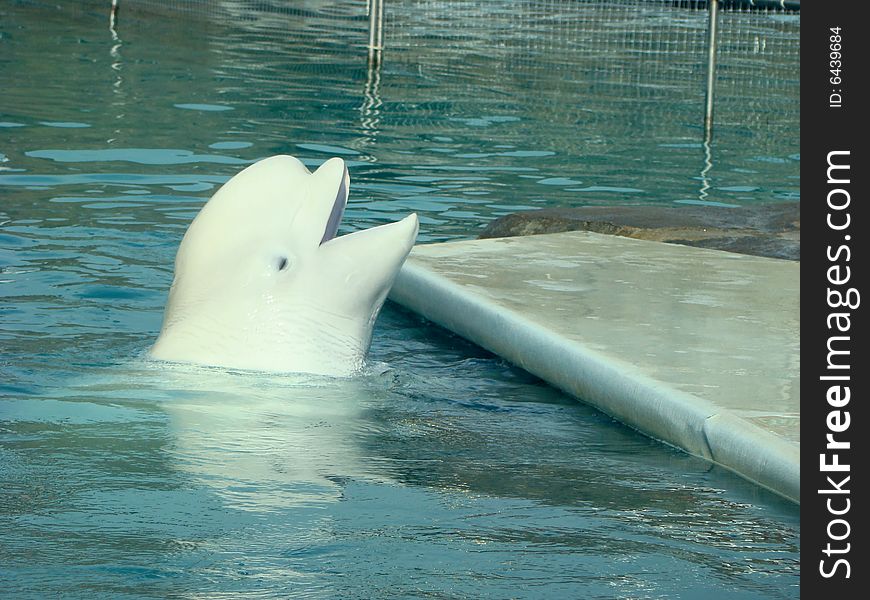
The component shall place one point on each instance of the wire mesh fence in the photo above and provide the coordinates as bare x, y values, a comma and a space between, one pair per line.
593, 74
637, 48
626, 49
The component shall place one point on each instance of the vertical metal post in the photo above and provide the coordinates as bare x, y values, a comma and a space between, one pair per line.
370, 111
113, 15
712, 44
376, 30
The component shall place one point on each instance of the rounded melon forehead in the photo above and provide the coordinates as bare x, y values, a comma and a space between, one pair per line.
276, 200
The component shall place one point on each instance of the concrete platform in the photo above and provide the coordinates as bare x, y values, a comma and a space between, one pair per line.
698, 348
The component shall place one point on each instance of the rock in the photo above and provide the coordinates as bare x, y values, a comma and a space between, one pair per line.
771, 230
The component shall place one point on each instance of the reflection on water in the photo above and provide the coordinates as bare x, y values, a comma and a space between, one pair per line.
443, 472
415, 479
516, 119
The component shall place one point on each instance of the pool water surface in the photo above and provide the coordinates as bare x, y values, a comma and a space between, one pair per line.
440, 472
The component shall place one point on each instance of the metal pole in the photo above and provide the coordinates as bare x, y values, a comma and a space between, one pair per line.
376, 30
712, 40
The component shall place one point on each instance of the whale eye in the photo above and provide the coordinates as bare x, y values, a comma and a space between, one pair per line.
283, 263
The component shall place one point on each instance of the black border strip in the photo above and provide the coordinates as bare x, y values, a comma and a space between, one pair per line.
833, 325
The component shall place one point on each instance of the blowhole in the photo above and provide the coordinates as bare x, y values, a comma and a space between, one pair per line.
283, 263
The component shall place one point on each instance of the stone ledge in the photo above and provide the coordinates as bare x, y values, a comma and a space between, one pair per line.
771, 230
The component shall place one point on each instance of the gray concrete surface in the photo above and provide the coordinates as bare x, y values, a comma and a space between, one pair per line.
698, 348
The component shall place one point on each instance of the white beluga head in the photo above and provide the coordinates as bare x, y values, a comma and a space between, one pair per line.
262, 283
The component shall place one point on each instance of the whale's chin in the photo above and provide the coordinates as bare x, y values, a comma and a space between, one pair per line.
262, 282
330, 360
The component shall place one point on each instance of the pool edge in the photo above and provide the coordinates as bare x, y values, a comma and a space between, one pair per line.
677, 418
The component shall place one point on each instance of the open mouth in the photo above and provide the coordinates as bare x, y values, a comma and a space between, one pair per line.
337, 209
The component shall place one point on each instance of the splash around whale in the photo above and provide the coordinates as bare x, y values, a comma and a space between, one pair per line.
263, 283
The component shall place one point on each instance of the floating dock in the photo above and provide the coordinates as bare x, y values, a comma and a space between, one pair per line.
698, 348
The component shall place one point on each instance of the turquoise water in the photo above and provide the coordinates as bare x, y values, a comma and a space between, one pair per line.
442, 472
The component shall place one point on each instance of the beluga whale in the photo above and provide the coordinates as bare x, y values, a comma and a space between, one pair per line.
262, 282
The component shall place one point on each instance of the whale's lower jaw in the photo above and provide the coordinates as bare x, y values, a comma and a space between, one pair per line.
336, 364
288, 339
